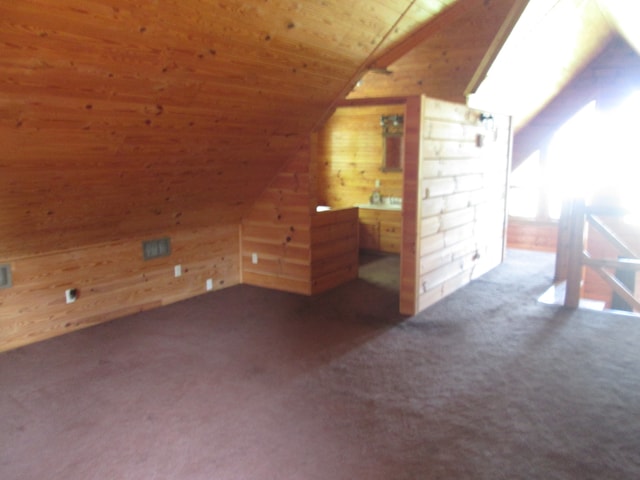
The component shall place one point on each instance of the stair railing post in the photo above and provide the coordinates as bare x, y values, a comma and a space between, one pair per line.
563, 245
576, 249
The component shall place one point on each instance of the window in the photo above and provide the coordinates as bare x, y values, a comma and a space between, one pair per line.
596, 153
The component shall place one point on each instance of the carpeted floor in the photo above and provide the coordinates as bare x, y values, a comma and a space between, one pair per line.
247, 383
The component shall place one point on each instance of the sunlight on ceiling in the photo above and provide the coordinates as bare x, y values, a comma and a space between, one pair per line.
550, 43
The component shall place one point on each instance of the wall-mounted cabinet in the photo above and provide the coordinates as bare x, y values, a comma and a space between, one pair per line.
380, 229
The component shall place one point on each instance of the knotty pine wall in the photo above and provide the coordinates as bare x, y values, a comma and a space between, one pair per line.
113, 280
334, 248
350, 152
462, 195
532, 235
278, 230
298, 250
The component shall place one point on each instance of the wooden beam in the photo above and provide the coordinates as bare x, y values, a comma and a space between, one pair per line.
496, 45
371, 102
360, 72
621, 264
438, 23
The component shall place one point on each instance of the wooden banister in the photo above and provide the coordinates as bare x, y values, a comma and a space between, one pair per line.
611, 236
621, 263
578, 257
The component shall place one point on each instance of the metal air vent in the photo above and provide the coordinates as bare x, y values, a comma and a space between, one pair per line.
5, 276
160, 247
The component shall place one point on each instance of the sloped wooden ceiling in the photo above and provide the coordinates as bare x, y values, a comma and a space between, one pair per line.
120, 118
441, 58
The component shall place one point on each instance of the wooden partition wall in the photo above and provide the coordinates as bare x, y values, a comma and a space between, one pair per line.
462, 190
334, 248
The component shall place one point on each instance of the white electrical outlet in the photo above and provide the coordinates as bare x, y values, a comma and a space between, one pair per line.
71, 295
209, 284
177, 270
254, 258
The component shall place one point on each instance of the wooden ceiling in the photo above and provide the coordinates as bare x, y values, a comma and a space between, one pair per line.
125, 117
439, 59
120, 118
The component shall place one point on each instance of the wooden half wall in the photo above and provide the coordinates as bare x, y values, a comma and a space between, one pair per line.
334, 248
287, 245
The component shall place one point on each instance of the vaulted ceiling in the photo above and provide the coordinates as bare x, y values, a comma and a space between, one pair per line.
123, 117
126, 117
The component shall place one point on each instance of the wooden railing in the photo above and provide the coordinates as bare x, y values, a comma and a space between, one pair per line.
573, 256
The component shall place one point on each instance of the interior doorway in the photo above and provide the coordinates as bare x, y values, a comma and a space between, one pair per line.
380, 269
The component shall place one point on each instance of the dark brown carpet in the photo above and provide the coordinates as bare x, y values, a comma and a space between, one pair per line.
253, 384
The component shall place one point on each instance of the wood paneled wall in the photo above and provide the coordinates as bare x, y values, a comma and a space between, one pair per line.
532, 235
112, 280
334, 248
278, 230
145, 119
409, 254
350, 152
462, 194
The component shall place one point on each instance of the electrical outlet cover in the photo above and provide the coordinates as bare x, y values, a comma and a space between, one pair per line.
70, 295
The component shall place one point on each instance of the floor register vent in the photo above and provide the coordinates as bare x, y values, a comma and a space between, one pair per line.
160, 247
5, 276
